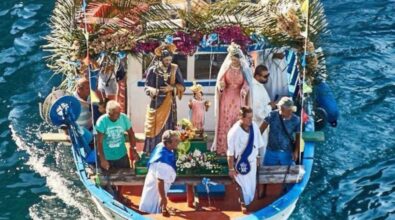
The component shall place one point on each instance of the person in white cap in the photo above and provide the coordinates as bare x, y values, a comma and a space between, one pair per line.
284, 125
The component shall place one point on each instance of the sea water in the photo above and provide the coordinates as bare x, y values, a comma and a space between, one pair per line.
354, 169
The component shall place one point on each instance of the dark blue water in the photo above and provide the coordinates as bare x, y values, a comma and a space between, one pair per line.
354, 170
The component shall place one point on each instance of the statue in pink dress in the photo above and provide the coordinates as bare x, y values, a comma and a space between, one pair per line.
233, 90
198, 106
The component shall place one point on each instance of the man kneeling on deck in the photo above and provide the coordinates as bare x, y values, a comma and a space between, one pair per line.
161, 174
244, 141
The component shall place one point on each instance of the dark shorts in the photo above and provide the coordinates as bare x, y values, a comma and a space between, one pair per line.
120, 163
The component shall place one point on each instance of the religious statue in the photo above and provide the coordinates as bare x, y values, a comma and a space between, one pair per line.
163, 83
198, 106
233, 90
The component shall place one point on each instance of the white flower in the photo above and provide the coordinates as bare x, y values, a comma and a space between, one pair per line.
193, 163
187, 165
182, 157
197, 153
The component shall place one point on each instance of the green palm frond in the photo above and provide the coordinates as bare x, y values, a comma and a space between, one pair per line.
123, 5
318, 23
63, 34
160, 21
154, 20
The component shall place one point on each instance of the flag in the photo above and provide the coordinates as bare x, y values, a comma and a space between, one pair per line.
305, 6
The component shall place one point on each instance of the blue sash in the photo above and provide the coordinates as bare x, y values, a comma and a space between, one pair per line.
164, 155
242, 164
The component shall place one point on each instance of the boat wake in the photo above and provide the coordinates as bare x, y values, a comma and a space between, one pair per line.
63, 187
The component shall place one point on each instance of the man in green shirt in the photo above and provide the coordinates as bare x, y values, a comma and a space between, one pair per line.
111, 129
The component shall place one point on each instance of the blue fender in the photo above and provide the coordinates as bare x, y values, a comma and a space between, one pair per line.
65, 110
326, 100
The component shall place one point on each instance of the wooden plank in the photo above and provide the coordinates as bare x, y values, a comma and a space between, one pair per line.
122, 178
62, 137
280, 178
55, 137
314, 136
294, 169
117, 173
263, 179
190, 195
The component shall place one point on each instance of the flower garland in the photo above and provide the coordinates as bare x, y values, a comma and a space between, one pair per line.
198, 162
185, 43
234, 33
146, 46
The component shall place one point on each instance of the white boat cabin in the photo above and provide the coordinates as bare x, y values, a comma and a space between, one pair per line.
201, 67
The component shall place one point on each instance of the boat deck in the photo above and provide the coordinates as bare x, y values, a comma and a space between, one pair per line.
226, 207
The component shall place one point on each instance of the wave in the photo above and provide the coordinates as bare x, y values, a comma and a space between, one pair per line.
62, 187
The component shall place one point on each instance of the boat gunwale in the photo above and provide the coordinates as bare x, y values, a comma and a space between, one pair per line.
278, 205
270, 210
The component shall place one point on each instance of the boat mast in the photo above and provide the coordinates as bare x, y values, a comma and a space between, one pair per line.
304, 65
87, 59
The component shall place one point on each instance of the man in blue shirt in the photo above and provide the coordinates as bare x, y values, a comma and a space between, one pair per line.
284, 124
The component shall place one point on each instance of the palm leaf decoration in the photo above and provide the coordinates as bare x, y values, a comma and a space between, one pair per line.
62, 37
130, 22
160, 21
318, 23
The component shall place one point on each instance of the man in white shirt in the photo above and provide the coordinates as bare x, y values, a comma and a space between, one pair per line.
261, 104
161, 174
244, 141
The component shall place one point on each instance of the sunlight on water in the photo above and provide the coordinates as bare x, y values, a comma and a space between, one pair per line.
61, 187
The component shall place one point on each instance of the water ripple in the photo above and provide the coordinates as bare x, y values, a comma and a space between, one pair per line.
4, 12
21, 24
353, 175
24, 44
28, 179
6, 55
368, 192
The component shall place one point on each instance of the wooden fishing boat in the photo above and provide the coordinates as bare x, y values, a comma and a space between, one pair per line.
117, 193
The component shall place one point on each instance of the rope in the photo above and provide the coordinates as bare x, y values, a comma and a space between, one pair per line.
301, 82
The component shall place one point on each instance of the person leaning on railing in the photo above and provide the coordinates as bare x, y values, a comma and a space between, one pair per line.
111, 128
284, 128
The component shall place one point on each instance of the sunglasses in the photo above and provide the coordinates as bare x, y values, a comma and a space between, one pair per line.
266, 76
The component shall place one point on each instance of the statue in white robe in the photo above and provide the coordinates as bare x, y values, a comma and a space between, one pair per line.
237, 142
277, 86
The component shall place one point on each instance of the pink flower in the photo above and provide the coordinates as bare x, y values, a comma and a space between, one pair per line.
233, 33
